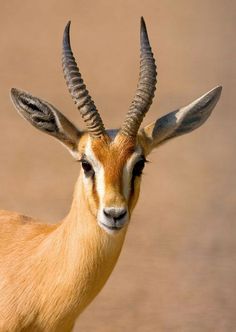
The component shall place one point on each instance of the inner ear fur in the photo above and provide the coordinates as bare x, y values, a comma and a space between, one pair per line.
179, 122
46, 118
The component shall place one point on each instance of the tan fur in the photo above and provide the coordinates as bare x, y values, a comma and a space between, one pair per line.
50, 273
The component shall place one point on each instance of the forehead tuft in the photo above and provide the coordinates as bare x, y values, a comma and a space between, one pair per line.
118, 150
110, 152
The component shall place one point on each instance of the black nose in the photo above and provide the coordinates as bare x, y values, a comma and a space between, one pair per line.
115, 213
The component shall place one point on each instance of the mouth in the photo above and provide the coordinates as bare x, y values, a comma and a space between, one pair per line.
111, 228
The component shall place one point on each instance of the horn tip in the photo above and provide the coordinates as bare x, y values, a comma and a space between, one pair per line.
142, 20
143, 31
66, 36
67, 28
143, 24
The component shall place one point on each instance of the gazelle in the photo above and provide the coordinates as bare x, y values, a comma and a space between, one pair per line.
50, 273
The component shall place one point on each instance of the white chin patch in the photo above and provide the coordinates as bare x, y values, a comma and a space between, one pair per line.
110, 231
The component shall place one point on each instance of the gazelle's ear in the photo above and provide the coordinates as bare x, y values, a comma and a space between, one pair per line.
179, 122
46, 118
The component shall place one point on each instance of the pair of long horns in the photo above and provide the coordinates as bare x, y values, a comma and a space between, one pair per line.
141, 101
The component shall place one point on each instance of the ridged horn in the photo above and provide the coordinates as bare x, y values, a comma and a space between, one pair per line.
78, 89
145, 89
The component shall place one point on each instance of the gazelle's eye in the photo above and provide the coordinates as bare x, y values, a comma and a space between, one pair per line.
138, 167
87, 167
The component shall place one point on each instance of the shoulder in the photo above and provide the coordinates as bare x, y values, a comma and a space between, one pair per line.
16, 227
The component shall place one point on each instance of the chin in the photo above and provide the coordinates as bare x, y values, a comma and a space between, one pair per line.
111, 229
108, 230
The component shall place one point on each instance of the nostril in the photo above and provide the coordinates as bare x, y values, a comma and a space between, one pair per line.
115, 213
106, 213
121, 215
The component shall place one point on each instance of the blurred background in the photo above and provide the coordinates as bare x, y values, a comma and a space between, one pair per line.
177, 270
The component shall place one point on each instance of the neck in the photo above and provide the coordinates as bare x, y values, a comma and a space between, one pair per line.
87, 253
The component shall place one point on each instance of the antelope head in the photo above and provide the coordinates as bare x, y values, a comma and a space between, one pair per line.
112, 160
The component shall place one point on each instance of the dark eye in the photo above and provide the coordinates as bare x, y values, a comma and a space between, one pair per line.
87, 167
138, 167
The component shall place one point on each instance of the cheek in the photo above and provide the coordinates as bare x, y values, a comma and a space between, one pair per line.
134, 192
91, 194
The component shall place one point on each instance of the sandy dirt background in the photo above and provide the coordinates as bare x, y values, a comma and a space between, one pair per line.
177, 270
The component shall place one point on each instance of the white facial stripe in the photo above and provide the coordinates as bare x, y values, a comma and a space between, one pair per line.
127, 171
98, 169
